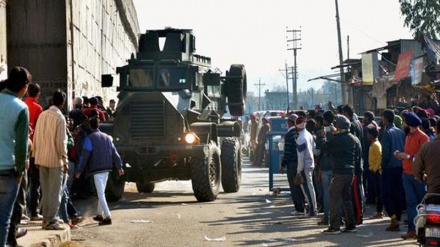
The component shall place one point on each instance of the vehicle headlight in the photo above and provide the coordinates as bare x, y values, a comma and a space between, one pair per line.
191, 138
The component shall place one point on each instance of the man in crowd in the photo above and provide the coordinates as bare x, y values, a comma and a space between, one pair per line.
375, 158
368, 175
393, 139
425, 167
100, 156
94, 106
253, 137
261, 142
358, 188
414, 190
77, 112
111, 109
325, 163
343, 146
35, 109
14, 119
306, 162
50, 153
290, 161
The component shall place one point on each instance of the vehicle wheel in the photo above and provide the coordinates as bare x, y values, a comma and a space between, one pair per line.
115, 186
205, 175
236, 90
231, 165
145, 186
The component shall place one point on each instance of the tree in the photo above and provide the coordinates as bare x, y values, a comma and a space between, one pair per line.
422, 17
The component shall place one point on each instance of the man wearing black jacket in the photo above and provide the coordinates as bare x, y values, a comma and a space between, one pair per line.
344, 148
290, 161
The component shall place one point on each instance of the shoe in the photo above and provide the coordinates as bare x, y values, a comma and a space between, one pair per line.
98, 218
21, 232
72, 226
77, 220
323, 223
350, 229
377, 216
296, 213
55, 226
394, 226
331, 231
25, 217
37, 217
409, 235
106, 221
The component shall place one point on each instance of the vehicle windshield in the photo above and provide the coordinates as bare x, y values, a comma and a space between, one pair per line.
141, 77
172, 77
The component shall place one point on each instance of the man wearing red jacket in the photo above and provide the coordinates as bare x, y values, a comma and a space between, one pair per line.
35, 110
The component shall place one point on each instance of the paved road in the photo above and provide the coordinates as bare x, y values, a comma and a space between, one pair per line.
252, 217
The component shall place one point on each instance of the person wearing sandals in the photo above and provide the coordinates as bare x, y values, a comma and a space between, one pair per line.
99, 155
50, 153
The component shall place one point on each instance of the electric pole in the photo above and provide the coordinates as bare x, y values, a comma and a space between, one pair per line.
286, 71
341, 61
259, 92
296, 37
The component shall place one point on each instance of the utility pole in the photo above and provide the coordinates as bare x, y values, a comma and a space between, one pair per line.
259, 92
295, 47
341, 61
286, 71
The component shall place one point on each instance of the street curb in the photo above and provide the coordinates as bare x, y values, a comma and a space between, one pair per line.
37, 237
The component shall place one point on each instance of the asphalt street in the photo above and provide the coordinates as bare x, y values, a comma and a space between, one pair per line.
171, 216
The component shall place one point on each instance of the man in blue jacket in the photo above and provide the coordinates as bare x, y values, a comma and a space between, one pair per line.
100, 156
393, 139
290, 161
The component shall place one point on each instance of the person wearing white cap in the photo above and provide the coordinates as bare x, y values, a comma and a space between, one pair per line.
306, 162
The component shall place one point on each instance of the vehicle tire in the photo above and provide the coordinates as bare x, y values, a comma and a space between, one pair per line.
115, 186
231, 165
236, 90
205, 175
145, 186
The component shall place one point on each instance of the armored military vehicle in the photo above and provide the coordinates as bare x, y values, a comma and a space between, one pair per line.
169, 123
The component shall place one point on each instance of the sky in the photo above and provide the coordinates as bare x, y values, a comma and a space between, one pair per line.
254, 33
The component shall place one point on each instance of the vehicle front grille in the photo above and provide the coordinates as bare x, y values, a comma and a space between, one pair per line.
147, 120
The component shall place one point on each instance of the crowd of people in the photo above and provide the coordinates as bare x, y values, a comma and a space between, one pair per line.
46, 154
337, 162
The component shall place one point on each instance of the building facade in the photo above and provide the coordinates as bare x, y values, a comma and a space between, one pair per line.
70, 44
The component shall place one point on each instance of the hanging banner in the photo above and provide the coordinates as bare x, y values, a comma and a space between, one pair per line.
416, 70
370, 68
433, 49
403, 64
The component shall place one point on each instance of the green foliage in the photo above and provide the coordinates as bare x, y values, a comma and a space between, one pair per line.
422, 17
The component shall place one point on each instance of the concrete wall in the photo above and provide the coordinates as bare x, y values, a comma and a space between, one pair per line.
3, 41
37, 41
103, 34
69, 44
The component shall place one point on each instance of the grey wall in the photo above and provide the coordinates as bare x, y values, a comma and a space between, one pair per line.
69, 44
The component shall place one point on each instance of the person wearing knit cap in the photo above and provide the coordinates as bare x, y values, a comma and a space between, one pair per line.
290, 161
306, 162
398, 121
414, 190
343, 146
